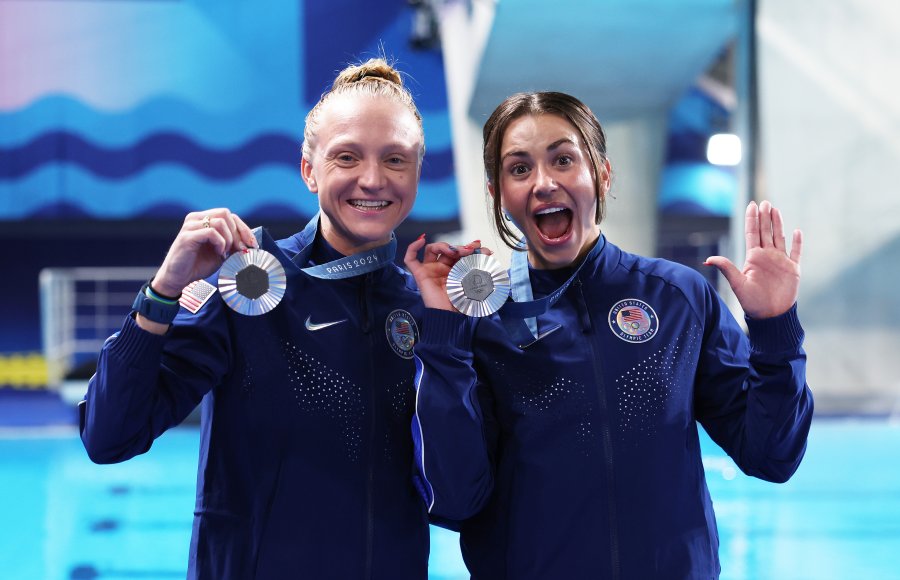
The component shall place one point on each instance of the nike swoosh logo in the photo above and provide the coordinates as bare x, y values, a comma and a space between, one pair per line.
312, 327
540, 336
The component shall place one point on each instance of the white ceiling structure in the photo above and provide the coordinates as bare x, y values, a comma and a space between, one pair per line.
622, 58
629, 61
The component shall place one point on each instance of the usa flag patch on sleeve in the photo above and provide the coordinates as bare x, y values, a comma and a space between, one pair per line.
196, 294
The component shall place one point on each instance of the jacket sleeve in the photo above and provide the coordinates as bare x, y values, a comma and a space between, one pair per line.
751, 394
146, 383
453, 427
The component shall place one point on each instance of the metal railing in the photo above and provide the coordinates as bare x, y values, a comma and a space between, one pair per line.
80, 309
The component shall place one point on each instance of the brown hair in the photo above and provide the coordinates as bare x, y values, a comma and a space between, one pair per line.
541, 103
375, 77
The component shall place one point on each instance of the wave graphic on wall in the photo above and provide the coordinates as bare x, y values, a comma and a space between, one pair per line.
59, 112
169, 190
170, 148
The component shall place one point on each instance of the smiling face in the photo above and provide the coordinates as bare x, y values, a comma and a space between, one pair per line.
546, 183
364, 166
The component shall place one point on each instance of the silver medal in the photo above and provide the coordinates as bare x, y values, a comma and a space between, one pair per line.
252, 282
477, 285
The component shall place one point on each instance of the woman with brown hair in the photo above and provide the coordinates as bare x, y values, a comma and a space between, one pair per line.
562, 430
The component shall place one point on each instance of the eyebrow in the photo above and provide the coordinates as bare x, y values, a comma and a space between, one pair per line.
392, 146
550, 147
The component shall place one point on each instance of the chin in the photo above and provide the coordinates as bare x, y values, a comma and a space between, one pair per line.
556, 260
559, 252
553, 257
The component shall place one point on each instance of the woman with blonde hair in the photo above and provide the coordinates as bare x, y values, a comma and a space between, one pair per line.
305, 460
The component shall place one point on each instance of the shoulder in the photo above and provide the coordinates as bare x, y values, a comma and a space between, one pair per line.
659, 270
659, 281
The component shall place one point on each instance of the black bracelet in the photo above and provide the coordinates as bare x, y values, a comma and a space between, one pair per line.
160, 294
155, 308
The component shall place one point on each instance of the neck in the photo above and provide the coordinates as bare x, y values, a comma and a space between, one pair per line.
347, 247
538, 263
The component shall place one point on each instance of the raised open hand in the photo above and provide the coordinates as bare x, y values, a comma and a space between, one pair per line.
431, 271
770, 280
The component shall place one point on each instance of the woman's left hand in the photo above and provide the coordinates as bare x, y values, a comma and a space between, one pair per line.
431, 271
770, 281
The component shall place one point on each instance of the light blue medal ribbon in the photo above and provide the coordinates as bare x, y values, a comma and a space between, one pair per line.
355, 265
254, 281
519, 317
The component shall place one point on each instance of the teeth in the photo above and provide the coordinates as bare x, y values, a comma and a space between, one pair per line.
368, 204
550, 210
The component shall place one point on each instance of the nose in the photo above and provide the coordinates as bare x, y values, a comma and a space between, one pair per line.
371, 177
544, 185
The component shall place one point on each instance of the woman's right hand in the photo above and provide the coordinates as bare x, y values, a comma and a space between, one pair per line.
432, 270
205, 240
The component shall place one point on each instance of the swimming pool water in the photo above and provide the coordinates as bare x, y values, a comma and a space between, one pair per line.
66, 518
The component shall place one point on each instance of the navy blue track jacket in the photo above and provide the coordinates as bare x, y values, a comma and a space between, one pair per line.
578, 456
306, 463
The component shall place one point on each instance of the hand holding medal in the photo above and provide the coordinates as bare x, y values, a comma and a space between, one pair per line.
466, 279
205, 240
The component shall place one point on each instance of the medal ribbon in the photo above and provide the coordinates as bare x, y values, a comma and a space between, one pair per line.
519, 317
355, 265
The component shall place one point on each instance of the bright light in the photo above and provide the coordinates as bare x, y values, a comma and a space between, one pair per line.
724, 149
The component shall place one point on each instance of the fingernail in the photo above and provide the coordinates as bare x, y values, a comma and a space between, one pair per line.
422, 237
453, 248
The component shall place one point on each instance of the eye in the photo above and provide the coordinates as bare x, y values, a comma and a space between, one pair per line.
518, 169
345, 158
565, 160
395, 160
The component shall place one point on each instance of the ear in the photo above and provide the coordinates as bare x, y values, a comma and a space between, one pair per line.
306, 171
490, 188
605, 177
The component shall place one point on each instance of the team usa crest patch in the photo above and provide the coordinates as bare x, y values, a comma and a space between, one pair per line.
402, 332
633, 320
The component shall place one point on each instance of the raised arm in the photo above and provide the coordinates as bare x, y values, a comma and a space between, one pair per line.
453, 427
751, 395
151, 374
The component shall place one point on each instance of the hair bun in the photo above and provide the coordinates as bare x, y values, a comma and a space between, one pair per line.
373, 70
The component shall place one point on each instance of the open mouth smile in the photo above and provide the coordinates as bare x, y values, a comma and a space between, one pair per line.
554, 224
368, 205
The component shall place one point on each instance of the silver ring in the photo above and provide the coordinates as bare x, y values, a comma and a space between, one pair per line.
206, 221
438, 257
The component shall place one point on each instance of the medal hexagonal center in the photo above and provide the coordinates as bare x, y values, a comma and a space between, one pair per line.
252, 282
477, 285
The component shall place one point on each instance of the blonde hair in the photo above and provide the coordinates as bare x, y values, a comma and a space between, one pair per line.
374, 78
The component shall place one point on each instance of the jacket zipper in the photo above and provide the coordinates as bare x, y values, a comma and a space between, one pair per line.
603, 411
370, 483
